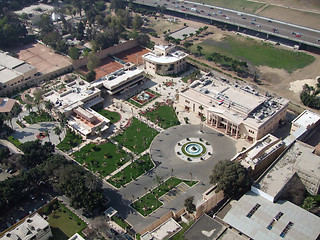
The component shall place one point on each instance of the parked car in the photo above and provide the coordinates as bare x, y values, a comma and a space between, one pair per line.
114, 232
12, 171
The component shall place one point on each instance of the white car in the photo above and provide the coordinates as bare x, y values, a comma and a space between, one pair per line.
227, 18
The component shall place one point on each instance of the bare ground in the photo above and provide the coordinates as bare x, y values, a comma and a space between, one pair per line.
274, 80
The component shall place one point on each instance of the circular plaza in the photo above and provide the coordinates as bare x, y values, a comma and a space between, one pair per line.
184, 149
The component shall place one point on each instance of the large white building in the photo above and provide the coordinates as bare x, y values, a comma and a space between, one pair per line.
165, 60
14, 73
237, 110
119, 81
32, 228
76, 102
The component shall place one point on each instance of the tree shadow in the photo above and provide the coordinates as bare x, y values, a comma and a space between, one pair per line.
58, 234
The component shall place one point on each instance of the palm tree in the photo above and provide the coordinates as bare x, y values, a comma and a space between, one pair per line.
29, 107
57, 131
49, 106
47, 134
309, 203
158, 180
8, 117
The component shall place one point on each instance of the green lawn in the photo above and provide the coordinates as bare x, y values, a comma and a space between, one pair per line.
35, 117
121, 222
164, 116
112, 116
64, 223
137, 137
14, 141
240, 5
103, 158
256, 52
133, 171
70, 141
149, 202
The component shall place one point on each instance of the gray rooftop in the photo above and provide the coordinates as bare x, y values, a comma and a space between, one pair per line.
304, 225
298, 156
8, 61
206, 228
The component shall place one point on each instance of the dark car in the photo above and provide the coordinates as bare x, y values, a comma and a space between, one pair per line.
114, 232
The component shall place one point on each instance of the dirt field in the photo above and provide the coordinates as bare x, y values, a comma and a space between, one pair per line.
107, 66
302, 18
133, 55
313, 5
42, 57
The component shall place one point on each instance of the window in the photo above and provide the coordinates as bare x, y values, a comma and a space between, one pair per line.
253, 210
186, 101
286, 229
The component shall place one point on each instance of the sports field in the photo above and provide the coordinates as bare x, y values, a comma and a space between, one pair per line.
133, 55
107, 66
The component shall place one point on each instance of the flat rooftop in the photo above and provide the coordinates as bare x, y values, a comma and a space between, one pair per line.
280, 220
117, 78
171, 57
75, 92
240, 103
206, 228
306, 118
299, 155
8, 61
6, 75
166, 230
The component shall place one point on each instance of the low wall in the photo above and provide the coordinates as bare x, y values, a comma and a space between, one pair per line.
209, 204
106, 52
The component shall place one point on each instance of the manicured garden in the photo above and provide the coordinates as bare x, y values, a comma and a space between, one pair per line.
137, 136
133, 171
63, 222
143, 98
255, 52
35, 117
102, 159
70, 141
163, 115
112, 116
120, 221
149, 202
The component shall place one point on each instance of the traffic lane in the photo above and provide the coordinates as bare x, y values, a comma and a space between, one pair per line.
310, 36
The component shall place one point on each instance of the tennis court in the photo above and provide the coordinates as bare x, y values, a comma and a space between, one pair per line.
133, 55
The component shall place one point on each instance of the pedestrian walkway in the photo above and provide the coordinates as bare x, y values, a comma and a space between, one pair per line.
173, 193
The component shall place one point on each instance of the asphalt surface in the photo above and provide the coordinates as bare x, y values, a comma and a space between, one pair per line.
249, 21
163, 154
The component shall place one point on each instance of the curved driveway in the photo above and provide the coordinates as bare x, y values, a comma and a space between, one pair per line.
162, 151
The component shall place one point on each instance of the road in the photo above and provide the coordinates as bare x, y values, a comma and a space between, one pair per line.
273, 27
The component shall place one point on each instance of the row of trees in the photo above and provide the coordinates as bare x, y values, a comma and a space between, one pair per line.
44, 169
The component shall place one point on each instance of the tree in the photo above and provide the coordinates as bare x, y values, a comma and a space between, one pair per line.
199, 49
309, 203
137, 22
91, 76
93, 61
143, 40
231, 177
74, 53
188, 203
117, 4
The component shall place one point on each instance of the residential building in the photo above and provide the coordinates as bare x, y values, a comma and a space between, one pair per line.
75, 102
14, 73
259, 218
32, 228
121, 80
76, 237
298, 158
260, 154
237, 110
165, 60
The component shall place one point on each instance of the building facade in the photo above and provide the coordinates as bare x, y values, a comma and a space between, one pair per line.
236, 110
165, 60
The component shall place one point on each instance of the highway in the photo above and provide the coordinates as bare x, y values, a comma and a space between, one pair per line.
273, 27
